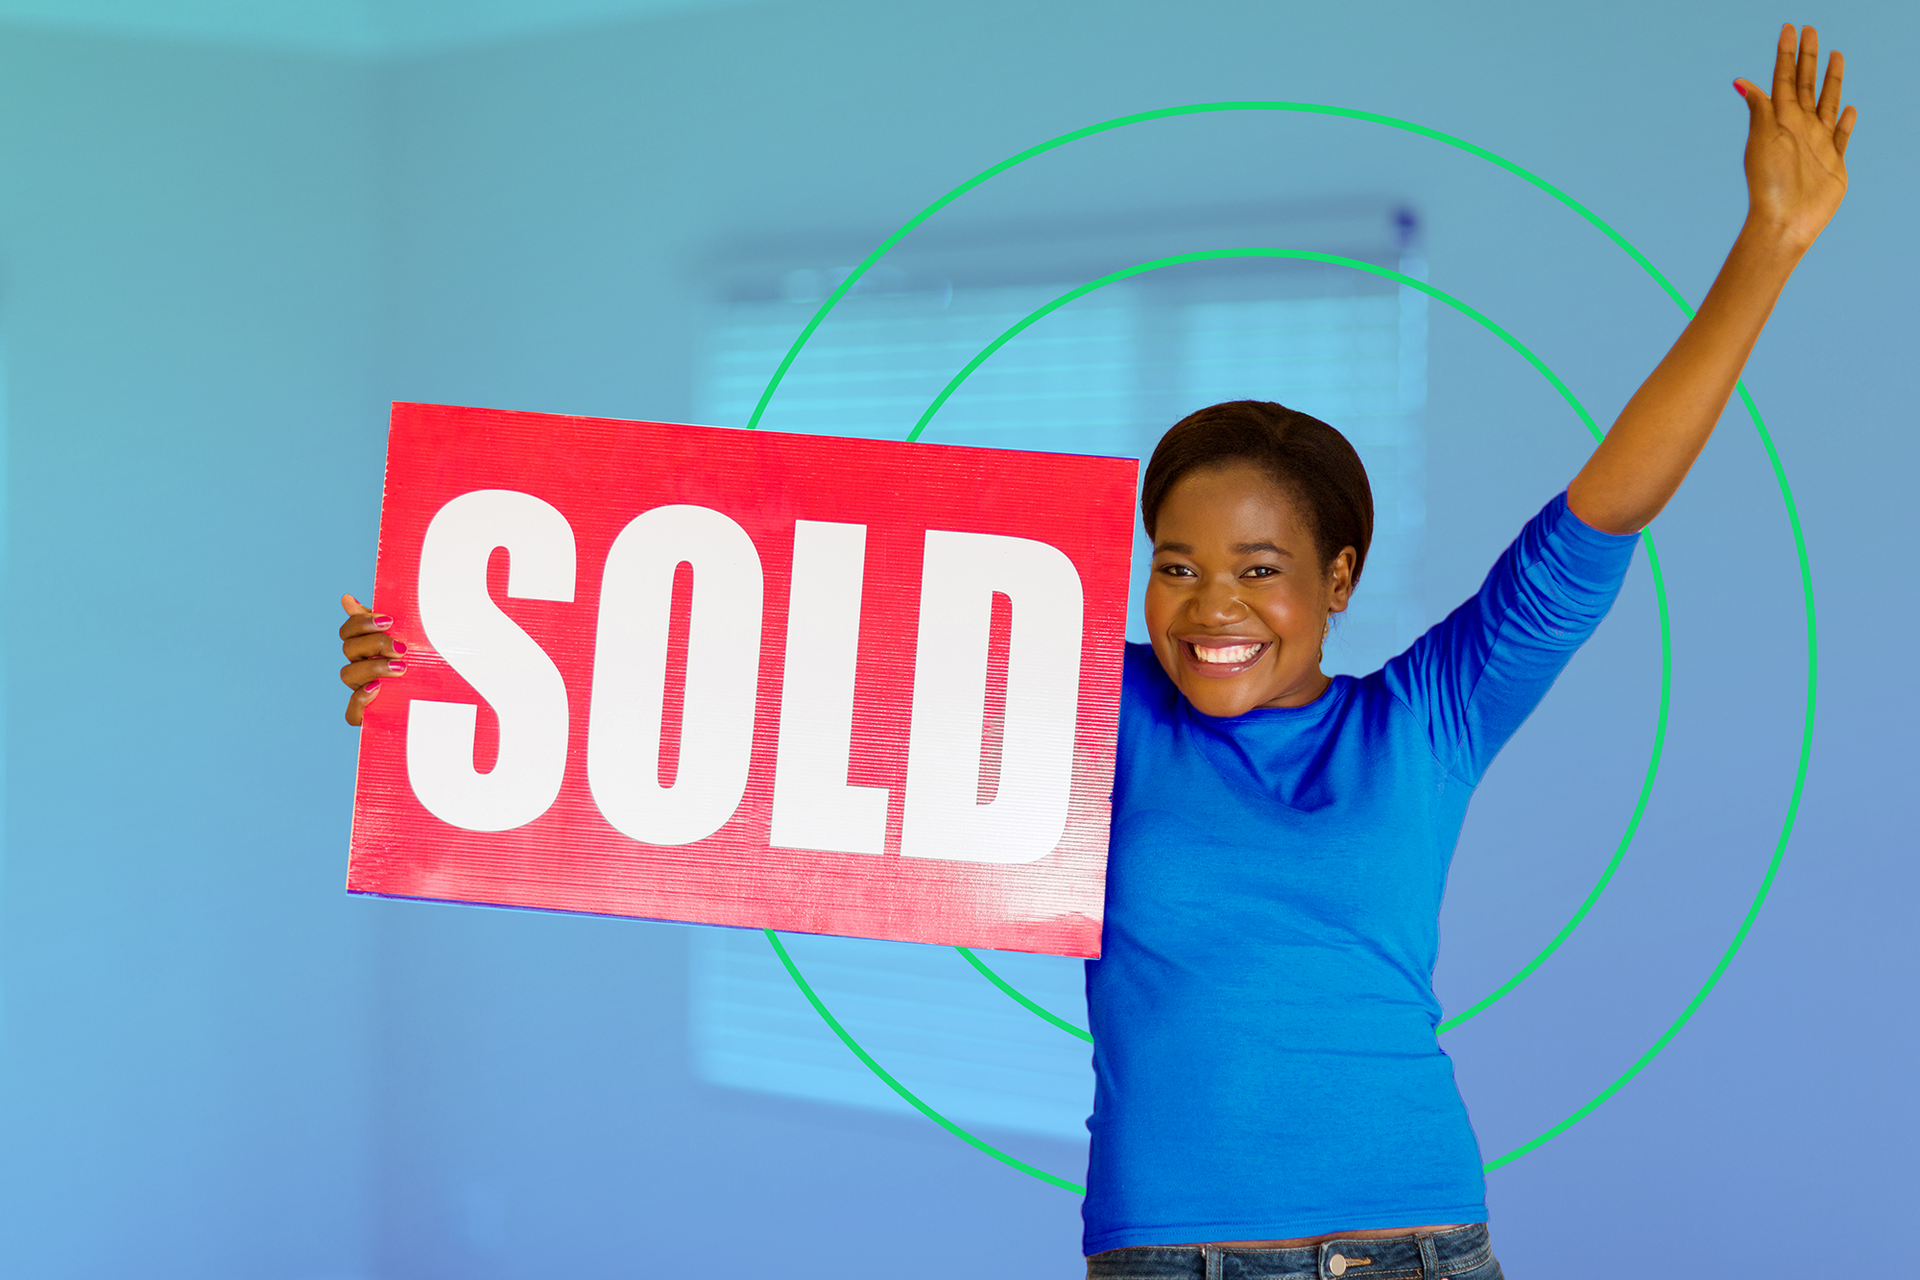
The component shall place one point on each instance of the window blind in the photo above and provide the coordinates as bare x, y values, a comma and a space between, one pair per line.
1106, 374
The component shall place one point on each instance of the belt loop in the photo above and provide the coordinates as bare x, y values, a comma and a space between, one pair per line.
1215, 1264
1429, 1258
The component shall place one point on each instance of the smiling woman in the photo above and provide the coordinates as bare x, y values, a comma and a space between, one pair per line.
1266, 1073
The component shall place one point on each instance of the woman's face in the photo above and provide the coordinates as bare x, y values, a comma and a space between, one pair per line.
1238, 603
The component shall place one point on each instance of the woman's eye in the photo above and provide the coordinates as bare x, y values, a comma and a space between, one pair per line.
1176, 571
1260, 571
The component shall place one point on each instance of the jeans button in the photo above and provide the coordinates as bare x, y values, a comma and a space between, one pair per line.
1337, 1264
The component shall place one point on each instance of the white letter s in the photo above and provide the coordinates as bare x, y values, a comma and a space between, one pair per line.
496, 657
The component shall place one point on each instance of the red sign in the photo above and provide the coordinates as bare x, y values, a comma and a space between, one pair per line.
747, 678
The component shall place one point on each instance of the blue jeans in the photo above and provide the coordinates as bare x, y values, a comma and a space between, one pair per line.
1463, 1253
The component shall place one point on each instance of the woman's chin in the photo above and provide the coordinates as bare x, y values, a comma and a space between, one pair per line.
1213, 699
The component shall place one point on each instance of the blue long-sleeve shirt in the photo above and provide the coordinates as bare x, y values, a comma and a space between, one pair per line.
1263, 1013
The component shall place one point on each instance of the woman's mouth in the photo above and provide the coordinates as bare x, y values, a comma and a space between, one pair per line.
1222, 656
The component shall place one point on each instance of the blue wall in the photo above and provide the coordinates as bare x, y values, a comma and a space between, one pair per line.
217, 266
187, 253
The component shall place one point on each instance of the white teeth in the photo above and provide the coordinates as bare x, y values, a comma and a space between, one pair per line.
1228, 655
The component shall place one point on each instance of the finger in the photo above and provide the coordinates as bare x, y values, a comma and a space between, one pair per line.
358, 700
1783, 91
1757, 105
357, 675
1830, 91
352, 605
1807, 69
360, 624
378, 645
1843, 133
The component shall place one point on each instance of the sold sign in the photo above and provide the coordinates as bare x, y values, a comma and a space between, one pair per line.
746, 678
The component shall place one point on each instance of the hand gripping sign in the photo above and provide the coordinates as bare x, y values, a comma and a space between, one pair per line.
746, 678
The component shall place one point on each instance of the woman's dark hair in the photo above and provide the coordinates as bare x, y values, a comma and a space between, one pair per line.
1309, 459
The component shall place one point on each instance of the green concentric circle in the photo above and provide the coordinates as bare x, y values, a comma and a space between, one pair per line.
1773, 457
1566, 393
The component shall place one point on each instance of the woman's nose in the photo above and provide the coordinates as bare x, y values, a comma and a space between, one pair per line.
1218, 604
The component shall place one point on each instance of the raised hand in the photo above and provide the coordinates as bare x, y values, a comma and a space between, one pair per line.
372, 655
1796, 176
1797, 144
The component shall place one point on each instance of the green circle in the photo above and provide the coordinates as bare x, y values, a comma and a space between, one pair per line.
1566, 393
1746, 398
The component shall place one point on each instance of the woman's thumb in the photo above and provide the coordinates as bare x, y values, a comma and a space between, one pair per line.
353, 606
1758, 104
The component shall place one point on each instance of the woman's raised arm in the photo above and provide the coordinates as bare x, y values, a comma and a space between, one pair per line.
1796, 176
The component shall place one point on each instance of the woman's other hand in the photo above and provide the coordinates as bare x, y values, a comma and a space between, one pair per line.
1797, 143
372, 655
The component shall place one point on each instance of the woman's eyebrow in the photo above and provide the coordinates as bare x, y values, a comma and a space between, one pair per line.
1239, 548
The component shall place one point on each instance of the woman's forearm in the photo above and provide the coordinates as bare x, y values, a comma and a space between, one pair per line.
1664, 427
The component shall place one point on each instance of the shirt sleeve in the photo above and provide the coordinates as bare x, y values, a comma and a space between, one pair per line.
1477, 674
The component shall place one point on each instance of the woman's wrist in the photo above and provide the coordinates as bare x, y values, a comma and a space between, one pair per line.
1775, 239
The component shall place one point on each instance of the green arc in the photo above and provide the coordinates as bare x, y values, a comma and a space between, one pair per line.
886, 1078
1773, 458
1019, 998
1207, 108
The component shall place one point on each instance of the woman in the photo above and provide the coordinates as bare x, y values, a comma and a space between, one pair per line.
1270, 1098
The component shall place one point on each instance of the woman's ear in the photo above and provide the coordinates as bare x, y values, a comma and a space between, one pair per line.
1340, 580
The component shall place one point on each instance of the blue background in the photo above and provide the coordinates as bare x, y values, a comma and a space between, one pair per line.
230, 233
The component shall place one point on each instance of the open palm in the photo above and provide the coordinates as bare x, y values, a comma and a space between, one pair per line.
1797, 143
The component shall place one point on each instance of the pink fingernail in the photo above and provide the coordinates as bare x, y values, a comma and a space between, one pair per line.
381, 621
1737, 89
396, 668
369, 686
399, 646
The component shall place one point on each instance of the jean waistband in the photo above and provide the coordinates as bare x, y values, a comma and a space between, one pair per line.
1432, 1256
